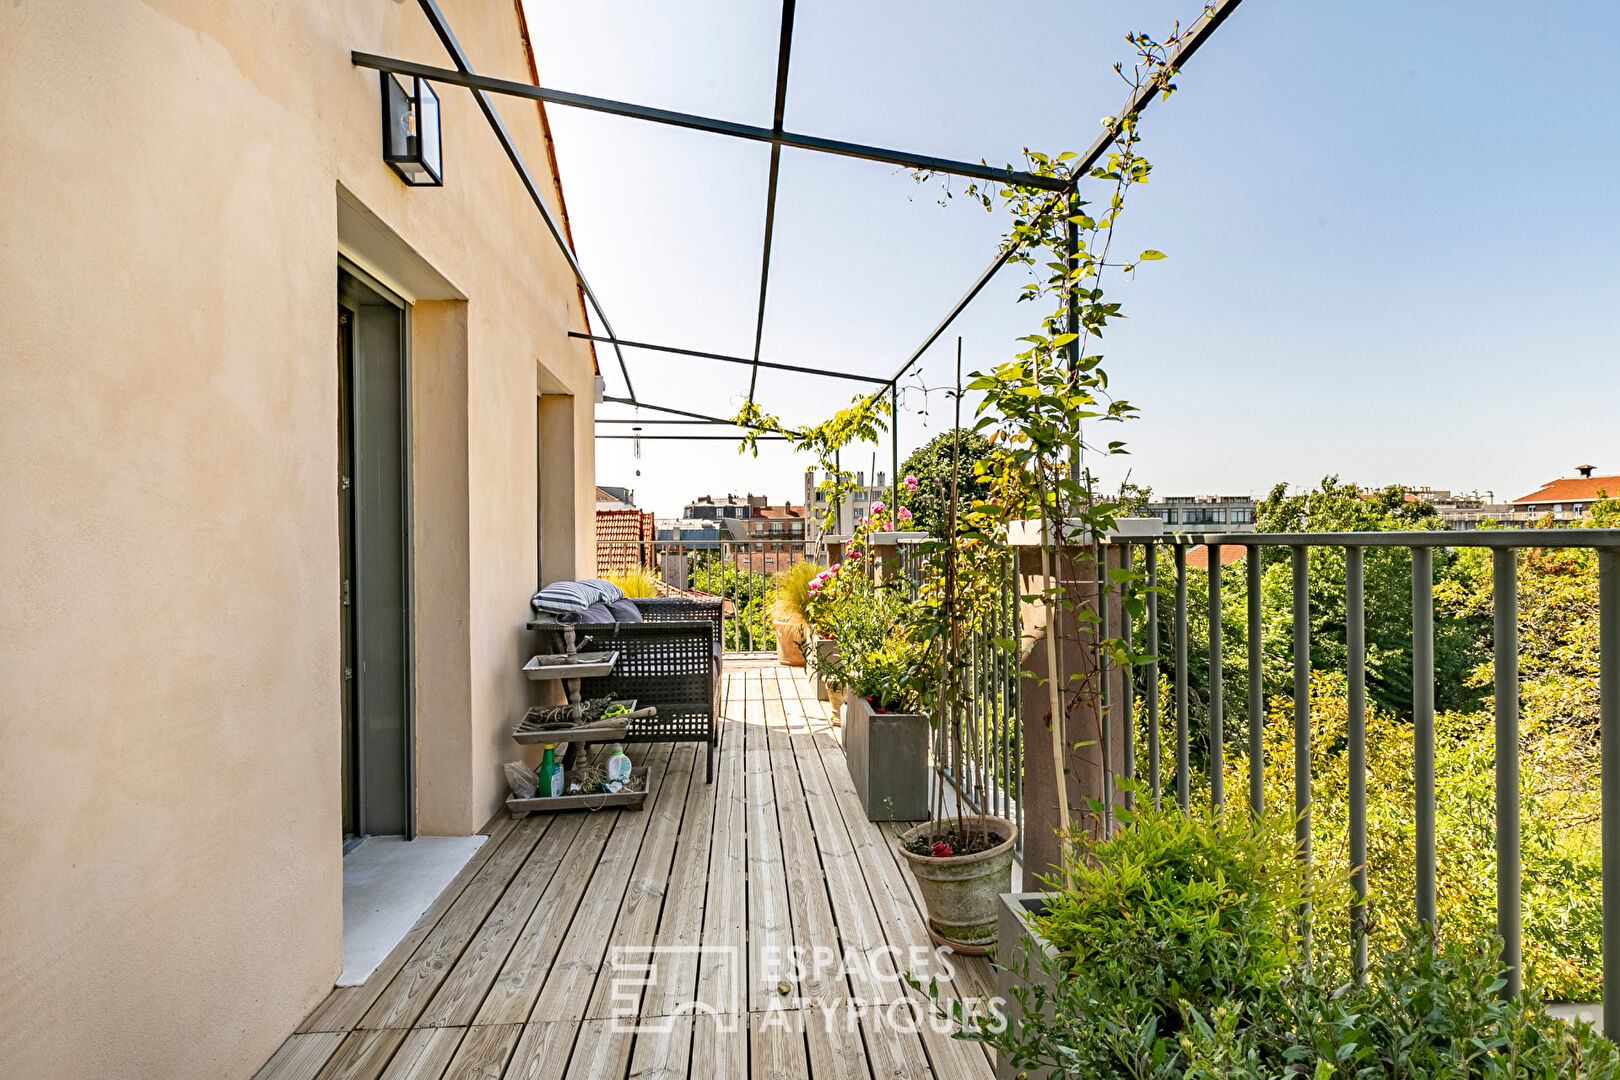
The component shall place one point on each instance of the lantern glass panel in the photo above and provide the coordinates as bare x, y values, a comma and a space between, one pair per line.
427, 109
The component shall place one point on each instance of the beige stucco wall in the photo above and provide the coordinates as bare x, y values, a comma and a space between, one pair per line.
170, 873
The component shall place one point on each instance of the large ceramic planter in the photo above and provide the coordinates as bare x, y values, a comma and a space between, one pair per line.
962, 892
789, 643
1024, 958
888, 760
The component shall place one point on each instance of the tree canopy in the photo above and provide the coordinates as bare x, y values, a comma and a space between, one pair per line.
931, 465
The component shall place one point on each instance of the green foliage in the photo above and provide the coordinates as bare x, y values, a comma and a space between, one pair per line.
792, 589
1178, 910
638, 582
1342, 507
931, 465
752, 597
1177, 959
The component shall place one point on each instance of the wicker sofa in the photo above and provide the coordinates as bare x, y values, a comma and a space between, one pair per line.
672, 660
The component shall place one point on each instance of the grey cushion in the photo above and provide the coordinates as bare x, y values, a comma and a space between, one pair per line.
625, 610
595, 613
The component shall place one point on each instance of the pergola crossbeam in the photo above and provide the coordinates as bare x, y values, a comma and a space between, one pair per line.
838, 147
827, 373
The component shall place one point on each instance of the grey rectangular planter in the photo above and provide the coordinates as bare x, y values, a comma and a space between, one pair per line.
1018, 944
888, 760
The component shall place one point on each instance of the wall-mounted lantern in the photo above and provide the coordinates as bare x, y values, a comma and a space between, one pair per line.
410, 124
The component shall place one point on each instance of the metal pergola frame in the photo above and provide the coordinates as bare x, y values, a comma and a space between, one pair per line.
1215, 13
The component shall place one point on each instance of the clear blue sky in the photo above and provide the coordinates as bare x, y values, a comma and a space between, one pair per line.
1393, 228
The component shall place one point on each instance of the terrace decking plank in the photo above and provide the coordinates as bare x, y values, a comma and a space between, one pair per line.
511, 998
457, 1000
719, 1046
722, 984
824, 991
636, 926
301, 1056
892, 1051
363, 1055
424, 1054
898, 912
567, 990
666, 1053
345, 1005
770, 930
409, 992
775, 1048
601, 1050
483, 1054
542, 1051
673, 981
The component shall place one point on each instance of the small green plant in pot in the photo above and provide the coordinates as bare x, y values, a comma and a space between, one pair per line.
791, 611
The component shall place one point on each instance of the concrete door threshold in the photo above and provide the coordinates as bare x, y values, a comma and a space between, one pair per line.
387, 883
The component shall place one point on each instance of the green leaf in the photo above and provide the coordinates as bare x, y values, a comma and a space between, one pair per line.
1150, 255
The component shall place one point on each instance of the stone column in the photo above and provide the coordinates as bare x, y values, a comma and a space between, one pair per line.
1076, 569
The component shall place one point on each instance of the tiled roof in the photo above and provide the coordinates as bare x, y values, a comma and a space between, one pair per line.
1573, 489
1198, 557
788, 511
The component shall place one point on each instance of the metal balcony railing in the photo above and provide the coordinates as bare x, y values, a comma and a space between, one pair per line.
1351, 547
983, 763
739, 572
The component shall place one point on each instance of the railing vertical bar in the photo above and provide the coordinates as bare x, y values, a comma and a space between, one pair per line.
1183, 776
1257, 708
1105, 714
1423, 728
1609, 721
1355, 637
1302, 737
1217, 735
1152, 680
1014, 684
1127, 562
1505, 596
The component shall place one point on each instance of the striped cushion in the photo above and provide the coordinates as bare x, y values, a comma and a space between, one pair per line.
563, 597
605, 591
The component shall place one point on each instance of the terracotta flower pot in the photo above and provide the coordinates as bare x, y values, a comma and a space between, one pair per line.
962, 892
789, 643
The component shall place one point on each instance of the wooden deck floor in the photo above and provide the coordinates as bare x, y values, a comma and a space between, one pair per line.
532, 965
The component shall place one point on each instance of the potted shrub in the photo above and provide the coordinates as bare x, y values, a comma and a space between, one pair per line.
823, 597
790, 611
886, 734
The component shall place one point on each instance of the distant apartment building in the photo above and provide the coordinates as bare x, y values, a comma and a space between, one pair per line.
1570, 497
1565, 499
1467, 509
751, 533
710, 508
850, 513
1204, 513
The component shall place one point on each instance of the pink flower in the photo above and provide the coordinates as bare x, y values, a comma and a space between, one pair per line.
910, 482
878, 508
834, 570
854, 555
905, 515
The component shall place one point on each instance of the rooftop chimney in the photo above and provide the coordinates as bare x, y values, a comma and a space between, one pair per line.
1585, 471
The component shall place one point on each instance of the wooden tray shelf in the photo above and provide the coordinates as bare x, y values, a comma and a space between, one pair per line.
585, 665
600, 731
630, 800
